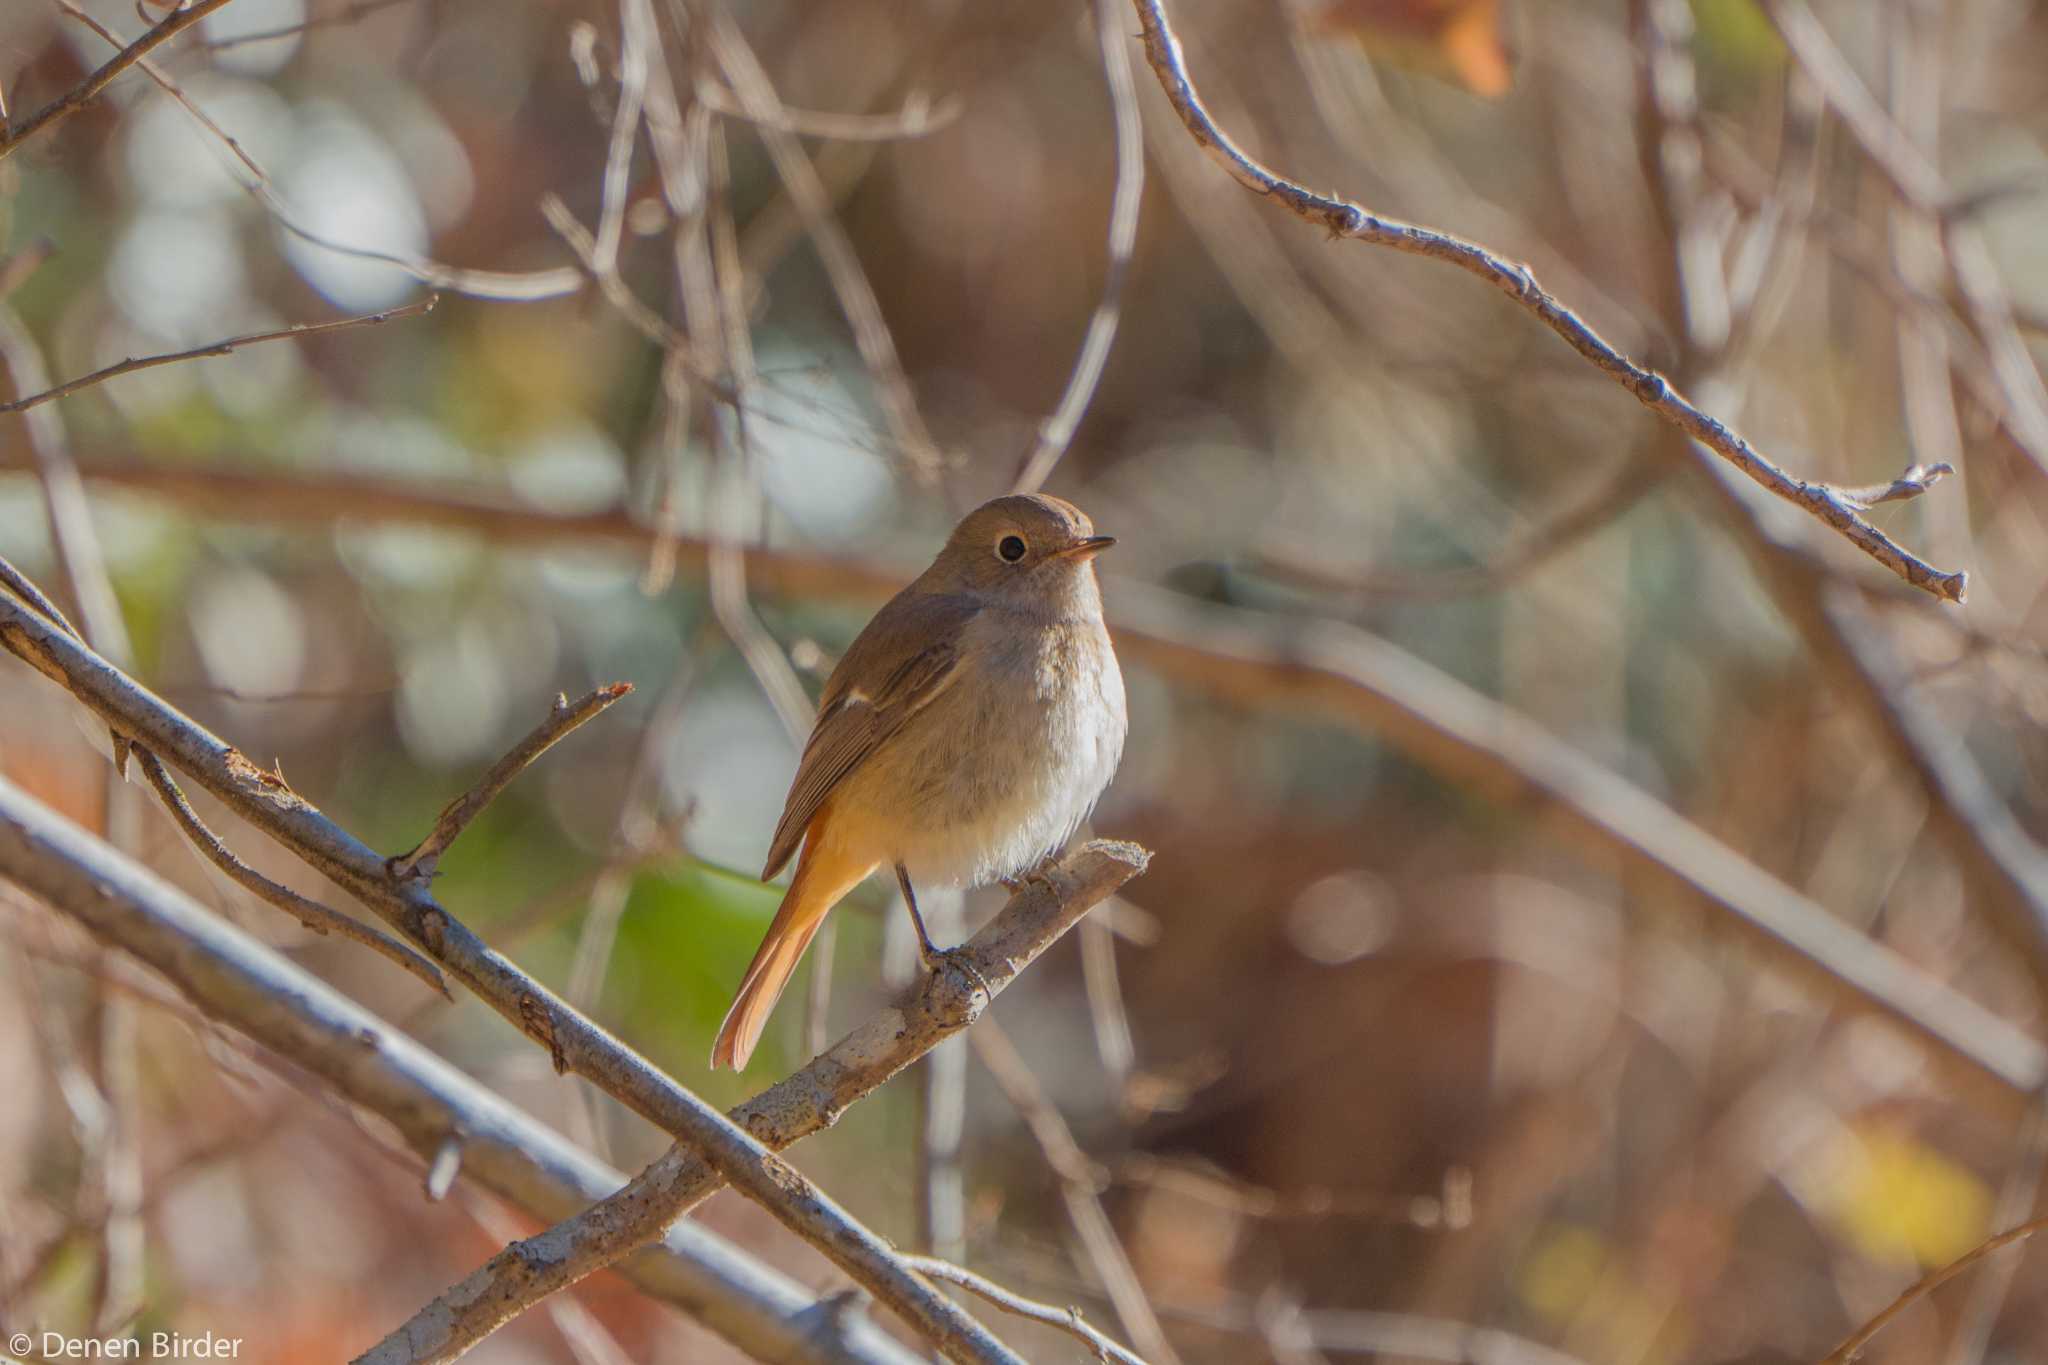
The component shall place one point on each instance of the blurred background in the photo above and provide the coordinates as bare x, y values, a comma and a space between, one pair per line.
1369, 1057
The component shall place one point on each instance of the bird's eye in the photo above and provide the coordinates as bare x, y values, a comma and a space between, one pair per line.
1011, 548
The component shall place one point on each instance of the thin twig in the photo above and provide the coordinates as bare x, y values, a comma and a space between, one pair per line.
1056, 433
636, 36
1342, 218
1892, 151
1449, 1208
1081, 1181
580, 240
1861, 1337
1613, 496
348, 14
1106, 1012
72, 532
315, 916
494, 286
225, 346
19, 583
563, 717
919, 117
756, 93
82, 94
1911, 484
1067, 1319
171, 87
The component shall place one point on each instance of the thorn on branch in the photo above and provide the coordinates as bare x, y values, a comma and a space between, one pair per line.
455, 817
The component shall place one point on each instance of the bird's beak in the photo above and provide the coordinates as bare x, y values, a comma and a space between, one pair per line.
1088, 548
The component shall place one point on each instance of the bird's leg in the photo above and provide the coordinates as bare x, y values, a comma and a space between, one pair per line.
925, 950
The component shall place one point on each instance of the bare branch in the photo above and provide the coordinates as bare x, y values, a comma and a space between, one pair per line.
750, 85
1341, 218
72, 533
583, 243
496, 286
1613, 495
1474, 741
1056, 433
315, 916
919, 117
573, 1042
636, 36
813, 1099
1893, 152
1081, 1181
1067, 1319
171, 87
19, 583
563, 718
75, 99
250, 987
226, 346
1858, 1339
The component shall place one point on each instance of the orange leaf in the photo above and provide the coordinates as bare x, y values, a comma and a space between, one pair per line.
1455, 40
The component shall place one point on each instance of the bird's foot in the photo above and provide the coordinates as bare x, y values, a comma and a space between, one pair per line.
1041, 875
936, 960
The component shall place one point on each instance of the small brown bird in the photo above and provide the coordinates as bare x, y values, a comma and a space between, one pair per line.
966, 734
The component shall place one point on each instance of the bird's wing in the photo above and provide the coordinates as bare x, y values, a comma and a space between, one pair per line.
912, 646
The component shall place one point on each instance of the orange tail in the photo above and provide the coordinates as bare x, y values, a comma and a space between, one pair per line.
821, 879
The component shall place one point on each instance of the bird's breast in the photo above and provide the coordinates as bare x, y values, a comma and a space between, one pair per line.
1004, 765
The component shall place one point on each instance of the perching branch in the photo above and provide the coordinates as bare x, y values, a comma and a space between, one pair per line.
1342, 218
456, 815
812, 1099
573, 1042
226, 346
435, 1109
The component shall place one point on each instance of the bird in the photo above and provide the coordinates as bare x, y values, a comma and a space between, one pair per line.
965, 735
